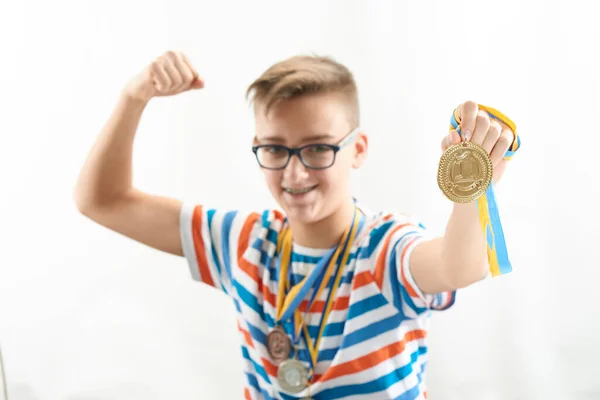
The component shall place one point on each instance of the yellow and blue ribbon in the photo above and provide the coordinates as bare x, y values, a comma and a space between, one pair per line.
489, 215
289, 297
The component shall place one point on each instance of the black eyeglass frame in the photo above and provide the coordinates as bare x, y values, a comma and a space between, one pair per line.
296, 150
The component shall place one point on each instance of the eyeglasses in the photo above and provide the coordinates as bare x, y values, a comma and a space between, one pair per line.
312, 156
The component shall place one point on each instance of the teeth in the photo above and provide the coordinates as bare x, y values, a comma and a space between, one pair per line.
298, 191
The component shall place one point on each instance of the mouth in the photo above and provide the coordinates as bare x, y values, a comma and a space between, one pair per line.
299, 191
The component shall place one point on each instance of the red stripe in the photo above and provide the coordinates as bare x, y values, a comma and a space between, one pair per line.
380, 267
341, 303
199, 246
362, 279
247, 336
411, 291
374, 358
270, 368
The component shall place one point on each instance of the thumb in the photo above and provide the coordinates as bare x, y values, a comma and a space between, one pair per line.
450, 139
197, 83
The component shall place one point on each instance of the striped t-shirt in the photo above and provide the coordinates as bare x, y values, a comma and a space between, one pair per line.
374, 343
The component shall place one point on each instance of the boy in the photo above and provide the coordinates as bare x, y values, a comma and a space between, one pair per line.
333, 301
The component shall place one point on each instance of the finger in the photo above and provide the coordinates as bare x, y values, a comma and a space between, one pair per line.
492, 136
467, 112
502, 144
174, 75
185, 72
450, 139
198, 82
481, 128
160, 77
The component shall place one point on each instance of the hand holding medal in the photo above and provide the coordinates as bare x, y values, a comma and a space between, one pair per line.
480, 142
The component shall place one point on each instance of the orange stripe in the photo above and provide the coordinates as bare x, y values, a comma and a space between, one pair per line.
340, 304
381, 260
247, 336
411, 291
372, 359
278, 215
199, 246
244, 237
251, 270
247, 394
270, 368
362, 279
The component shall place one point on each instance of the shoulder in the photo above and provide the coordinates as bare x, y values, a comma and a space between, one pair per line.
384, 228
381, 222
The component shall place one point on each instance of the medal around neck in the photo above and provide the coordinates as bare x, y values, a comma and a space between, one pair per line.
465, 172
292, 376
279, 345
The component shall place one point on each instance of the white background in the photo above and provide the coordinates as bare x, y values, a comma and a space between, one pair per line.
86, 314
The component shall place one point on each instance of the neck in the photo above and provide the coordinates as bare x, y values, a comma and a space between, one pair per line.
325, 233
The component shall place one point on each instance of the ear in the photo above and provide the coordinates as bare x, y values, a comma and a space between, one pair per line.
361, 147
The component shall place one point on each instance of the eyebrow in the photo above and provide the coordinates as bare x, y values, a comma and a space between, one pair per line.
313, 138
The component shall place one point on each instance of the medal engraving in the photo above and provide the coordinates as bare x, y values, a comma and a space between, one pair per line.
278, 345
292, 376
465, 172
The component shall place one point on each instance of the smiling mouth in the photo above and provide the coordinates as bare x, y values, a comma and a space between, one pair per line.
299, 191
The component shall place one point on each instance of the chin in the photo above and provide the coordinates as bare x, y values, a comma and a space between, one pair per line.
303, 214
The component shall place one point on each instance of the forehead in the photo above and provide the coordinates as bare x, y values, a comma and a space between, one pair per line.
322, 117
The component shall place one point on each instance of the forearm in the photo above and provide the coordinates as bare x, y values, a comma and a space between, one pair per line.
107, 171
464, 250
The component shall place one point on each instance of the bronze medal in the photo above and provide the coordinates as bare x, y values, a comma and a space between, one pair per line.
465, 172
292, 376
279, 345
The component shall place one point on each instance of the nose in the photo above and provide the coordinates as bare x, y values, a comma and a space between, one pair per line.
295, 171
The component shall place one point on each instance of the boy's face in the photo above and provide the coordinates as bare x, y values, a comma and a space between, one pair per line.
310, 195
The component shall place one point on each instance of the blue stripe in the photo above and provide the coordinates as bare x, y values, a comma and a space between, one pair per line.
209, 219
409, 301
249, 299
327, 354
225, 232
256, 333
331, 329
372, 330
395, 279
366, 305
500, 244
253, 382
396, 283
375, 237
257, 367
379, 384
346, 277
272, 236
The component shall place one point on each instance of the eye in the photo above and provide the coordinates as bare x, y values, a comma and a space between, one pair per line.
273, 149
319, 148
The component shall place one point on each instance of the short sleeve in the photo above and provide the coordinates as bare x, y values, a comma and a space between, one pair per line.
399, 236
213, 240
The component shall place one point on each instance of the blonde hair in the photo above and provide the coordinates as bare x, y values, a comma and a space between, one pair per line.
304, 75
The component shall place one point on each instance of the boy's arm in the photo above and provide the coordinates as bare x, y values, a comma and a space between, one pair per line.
104, 191
453, 261
459, 258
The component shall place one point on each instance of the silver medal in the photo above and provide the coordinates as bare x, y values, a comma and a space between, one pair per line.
292, 376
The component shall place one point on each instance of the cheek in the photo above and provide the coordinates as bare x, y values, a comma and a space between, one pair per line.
273, 179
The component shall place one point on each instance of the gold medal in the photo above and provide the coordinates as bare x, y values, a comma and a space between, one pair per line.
465, 172
292, 376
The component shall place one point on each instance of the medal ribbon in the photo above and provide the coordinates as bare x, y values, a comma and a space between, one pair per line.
288, 304
313, 347
489, 216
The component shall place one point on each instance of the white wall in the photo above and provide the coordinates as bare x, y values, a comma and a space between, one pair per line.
88, 315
